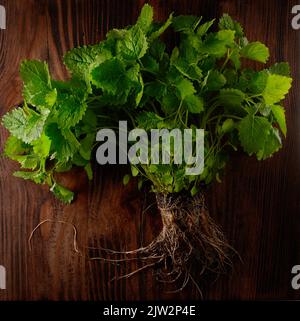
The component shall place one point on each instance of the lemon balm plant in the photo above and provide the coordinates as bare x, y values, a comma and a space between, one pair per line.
132, 75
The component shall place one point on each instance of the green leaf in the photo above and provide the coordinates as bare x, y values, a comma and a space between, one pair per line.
126, 179
116, 34
217, 44
134, 45
63, 146
155, 89
167, 179
227, 126
235, 58
264, 109
27, 126
203, 28
29, 161
37, 89
62, 193
227, 23
231, 97
185, 23
61, 167
276, 88
86, 146
15, 147
136, 82
145, 19
161, 29
272, 145
190, 48
194, 190
117, 99
194, 104
150, 64
231, 78
256, 51
281, 68
135, 172
179, 177
18, 151
170, 102
157, 49
184, 87
69, 135
80, 61
258, 82
75, 86
111, 76
89, 171
68, 110
189, 70
41, 147
279, 115
253, 133
148, 120
37, 176
78, 160
245, 78
153, 168
215, 80
89, 122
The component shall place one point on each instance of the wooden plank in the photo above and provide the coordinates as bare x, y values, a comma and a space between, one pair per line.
257, 203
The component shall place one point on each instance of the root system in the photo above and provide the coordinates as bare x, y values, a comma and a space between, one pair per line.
189, 244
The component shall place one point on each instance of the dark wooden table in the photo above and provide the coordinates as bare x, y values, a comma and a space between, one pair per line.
258, 204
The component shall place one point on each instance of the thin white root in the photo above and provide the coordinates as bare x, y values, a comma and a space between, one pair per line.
75, 244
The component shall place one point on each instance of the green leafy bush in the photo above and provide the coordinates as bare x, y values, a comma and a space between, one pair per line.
200, 83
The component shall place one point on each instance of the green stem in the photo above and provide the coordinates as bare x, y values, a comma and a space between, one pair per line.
226, 60
224, 116
131, 118
186, 118
154, 107
178, 111
209, 112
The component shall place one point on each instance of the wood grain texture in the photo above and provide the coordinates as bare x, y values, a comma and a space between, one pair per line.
257, 204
